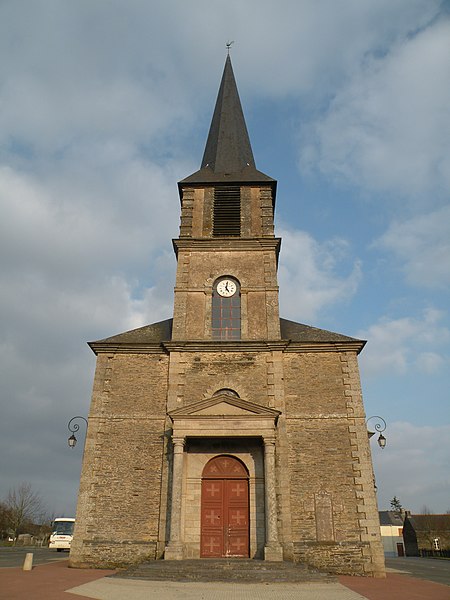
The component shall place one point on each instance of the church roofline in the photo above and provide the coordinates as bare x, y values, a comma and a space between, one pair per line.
299, 332
295, 337
207, 177
144, 339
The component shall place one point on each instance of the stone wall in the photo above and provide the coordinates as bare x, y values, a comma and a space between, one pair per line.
207, 372
120, 489
334, 513
327, 513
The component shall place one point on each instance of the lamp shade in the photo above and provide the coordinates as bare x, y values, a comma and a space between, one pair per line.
381, 441
72, 441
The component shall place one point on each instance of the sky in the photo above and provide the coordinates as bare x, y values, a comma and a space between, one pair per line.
105, 105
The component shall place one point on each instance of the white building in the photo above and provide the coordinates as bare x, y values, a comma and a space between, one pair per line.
391, 525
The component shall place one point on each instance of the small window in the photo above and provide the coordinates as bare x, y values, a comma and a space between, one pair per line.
226, 309
228, 391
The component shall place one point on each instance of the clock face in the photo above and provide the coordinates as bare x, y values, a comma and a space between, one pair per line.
226, 288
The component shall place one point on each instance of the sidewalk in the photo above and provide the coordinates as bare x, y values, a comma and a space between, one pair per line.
396, 587
45, 582
56, 581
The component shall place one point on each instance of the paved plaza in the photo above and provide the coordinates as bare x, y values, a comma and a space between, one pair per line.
120, 589
55, 581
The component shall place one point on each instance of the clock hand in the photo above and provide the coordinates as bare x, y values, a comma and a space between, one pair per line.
226, 286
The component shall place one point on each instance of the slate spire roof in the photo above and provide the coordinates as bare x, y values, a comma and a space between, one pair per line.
228, 148
228, 156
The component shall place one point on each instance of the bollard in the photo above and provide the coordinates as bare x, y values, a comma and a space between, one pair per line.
28, 562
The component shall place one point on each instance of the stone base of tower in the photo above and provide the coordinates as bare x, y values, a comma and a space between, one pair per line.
343, 558
110, 554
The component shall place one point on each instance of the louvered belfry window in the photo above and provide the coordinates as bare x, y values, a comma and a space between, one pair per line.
227, 211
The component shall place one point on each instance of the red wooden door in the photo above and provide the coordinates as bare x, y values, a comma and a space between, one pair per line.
225, 509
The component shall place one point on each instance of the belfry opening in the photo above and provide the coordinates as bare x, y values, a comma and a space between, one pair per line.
226, 431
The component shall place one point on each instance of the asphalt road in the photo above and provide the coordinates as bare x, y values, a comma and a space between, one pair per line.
431, 569
14, 556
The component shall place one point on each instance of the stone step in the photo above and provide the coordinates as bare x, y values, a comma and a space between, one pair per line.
225, 570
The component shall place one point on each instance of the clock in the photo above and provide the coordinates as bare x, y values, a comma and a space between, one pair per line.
226, 288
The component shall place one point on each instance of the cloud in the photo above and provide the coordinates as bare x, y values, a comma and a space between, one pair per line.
430, 362
414, 467
399, 345
313, 46
93, 70
89, 213
68, 76
388, 128
84, 254
422, 246
309, 275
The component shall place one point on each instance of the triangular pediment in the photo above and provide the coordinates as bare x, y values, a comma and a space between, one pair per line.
222, 405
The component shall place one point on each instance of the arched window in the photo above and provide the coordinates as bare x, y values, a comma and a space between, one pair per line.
226, 309
228, 391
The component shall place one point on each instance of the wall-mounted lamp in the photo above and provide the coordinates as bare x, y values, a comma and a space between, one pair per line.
72, 441
380, 426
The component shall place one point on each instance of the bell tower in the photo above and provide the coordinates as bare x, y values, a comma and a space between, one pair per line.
226, 286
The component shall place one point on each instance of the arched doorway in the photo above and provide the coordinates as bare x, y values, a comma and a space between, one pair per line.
225, 509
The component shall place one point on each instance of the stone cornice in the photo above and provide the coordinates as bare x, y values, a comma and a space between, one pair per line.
318, 416
128, 348
226, 346
128, 417
208, 289
261, 346
341, 346
231, 244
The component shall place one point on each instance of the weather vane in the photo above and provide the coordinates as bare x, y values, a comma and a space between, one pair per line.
228, 45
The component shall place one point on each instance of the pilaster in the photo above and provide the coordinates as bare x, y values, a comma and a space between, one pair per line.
174, 549
272, 549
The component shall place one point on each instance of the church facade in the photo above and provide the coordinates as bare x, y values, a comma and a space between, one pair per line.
227, 431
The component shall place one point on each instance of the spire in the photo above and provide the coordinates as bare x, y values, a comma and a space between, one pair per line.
228, 148
228, 156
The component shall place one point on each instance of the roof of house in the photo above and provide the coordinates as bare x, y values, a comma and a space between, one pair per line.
390, 517
429, 522
228, 156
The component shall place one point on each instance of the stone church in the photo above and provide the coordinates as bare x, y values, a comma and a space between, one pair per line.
227, 431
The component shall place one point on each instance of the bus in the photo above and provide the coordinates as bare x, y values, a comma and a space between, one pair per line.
62, 534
